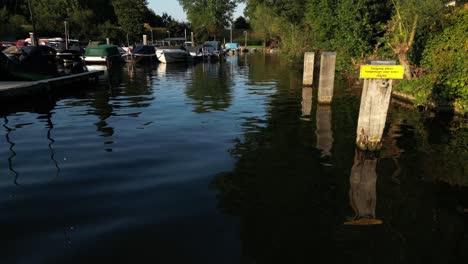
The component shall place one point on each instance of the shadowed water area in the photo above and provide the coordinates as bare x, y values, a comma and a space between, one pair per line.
225, 163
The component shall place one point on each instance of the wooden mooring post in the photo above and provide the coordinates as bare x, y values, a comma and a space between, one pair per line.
107, 41
375, 100
327, 77
192, 38
145, 40
308, 77
33, 39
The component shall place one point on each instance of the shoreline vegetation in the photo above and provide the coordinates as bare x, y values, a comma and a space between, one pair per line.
428, 37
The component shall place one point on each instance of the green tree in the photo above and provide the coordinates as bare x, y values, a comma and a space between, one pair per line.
131, 15
265, 23
446, 57
241, 23
410, 16
212, 15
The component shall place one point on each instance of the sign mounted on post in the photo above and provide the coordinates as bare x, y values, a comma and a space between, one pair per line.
382, 72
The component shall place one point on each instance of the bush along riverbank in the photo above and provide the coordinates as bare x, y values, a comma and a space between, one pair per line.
428, 37
442, 81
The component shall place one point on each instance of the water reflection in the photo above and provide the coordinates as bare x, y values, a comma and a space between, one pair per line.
324, 130
11, 149
13, 153
50, 126
306, 102
210, 87
362, 191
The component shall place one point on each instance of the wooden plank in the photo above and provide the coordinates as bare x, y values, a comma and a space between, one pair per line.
8, 89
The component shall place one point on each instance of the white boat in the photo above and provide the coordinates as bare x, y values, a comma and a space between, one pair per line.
171, 54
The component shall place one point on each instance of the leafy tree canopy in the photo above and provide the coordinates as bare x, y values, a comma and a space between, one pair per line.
211, 15
241, 23
131, 15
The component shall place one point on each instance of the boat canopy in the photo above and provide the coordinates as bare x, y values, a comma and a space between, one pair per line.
212, 46
144, 49
102, 51
232, 45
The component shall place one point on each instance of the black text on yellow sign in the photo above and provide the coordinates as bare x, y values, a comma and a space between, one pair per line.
382, 72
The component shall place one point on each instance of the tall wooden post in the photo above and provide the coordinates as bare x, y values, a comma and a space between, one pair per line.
327, 77
308, 77
107, 41
33, 39
245, 43
324, 130
145, 40
375, 101
192, 38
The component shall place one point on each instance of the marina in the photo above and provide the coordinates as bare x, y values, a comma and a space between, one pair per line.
215, 159
219, 132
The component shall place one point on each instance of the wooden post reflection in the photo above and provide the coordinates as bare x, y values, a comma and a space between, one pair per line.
362, 191
324, 130
306, 101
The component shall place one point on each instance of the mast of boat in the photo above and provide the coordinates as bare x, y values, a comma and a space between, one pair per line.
231, 33
66, 35
33, 23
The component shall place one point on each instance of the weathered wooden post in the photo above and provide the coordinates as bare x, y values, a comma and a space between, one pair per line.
327, 77
145, 40
245, 43
375, 101
192, 38
33, 39
308, 77
306, 101
107, 41
324, 130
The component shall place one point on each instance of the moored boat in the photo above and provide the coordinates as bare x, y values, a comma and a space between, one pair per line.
171, 54
34, 63
212, 50
141, 54
102, 54
194, 53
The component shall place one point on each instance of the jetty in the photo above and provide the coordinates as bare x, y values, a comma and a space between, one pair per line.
28, 88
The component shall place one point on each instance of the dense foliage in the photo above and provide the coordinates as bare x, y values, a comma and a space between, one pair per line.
209, 15
87, 19
413, 32
446, 58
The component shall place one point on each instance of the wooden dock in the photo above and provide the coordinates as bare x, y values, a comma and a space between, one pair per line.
14, 89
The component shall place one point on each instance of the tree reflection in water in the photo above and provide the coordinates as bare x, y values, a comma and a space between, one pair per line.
210, 87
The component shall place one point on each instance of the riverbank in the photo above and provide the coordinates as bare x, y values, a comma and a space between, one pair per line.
429, 105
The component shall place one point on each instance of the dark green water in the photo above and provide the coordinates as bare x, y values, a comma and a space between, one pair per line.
225, 163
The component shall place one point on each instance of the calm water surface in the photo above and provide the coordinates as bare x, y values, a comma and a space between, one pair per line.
225, 163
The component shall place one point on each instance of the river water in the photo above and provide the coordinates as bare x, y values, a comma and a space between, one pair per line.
225, 163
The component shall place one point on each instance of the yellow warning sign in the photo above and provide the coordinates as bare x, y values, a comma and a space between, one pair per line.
382, 72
